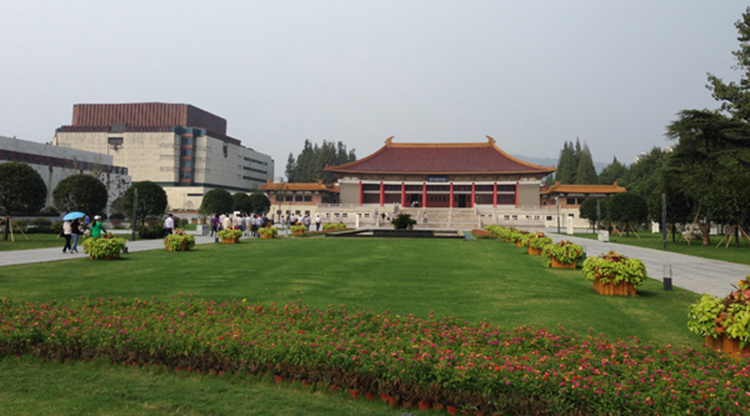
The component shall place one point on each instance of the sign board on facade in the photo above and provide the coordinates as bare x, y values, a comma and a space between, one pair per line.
442, 179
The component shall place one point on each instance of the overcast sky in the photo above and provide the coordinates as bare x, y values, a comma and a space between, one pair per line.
531, 74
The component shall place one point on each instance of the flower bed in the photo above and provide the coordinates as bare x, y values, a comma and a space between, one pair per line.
614, 274
563, 255
104, 248
268, 232
725, 323
483, 235
445, 360
329, 227
179, 241
230, 236
298, 229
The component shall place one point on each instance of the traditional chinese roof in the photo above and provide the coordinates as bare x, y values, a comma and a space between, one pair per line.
299, 187
559, 188
440, 158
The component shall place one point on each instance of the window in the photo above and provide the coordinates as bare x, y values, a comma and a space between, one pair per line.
298, 198
115, 142
308, 198
571, 201
226, 150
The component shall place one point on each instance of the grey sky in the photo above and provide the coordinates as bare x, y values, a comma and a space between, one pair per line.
529, 73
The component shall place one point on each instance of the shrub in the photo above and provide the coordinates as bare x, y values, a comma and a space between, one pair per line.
230, 234
298, 228
403, 221
272, 231
179, 241
614, 268
328, 227
102, 248
151, 232
564, 252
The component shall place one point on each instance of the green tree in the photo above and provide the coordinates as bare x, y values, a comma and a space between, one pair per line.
588, 211
81, 192
614, 172
566, 164
22, 189
644, 175
735, 97
152, 200
291, 166
628, 209
586, 172
261, 203
216, 201
242, 203
710, 146
310, 165
732, 201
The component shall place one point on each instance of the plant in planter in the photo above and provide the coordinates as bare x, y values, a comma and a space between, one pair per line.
268, 232
517, 237
230, 236
298, 229
536, 243
403, 221
563, 255
179, 241
614, 274
329, 227
725, 323
103, 248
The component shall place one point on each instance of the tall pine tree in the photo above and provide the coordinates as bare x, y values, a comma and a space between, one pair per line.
586, 173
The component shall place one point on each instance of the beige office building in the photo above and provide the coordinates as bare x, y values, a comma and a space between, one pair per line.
180, 147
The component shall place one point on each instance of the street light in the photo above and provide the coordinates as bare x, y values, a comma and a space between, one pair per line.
557, 201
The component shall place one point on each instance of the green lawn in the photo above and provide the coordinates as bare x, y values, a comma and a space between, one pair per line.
473, 280
34, 241
732, 253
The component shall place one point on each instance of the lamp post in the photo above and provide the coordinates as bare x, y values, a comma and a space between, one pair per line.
557, 201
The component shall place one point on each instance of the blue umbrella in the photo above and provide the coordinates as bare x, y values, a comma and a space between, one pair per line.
73, 216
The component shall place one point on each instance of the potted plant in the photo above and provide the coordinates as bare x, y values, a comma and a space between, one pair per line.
329, 227
298, 229
536, 243
268, 232
403, 221
725, 323
517, 237
614, 274
179, 241
230, 236
103, 248
563, 255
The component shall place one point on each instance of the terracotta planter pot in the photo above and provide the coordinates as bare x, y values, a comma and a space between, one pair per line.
384, 397
425, 405
298, 233
727, 345
438, 406
452, 410
610, 289
507, 240
230, 240
557, 265
370, 396
278, 379
354, 393
394, 402
535, 251
266, 236
519, 244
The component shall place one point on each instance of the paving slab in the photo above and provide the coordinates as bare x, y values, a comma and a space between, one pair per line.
696, 274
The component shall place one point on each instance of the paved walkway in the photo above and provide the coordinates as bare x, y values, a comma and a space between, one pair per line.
692, 273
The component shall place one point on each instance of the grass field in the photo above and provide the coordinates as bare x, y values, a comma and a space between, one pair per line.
732, 253
473, 280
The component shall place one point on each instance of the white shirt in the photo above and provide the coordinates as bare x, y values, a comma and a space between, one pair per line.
169, 223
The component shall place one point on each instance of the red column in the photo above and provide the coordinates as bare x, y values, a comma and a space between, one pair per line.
494, 195
451, 197
382, 194
473, 195
424, 195
516, 194
403, 194
361, 193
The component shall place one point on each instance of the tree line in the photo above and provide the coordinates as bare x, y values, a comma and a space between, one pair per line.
309, 165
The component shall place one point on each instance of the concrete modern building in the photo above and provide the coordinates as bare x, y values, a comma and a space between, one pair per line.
180, 147
57, 163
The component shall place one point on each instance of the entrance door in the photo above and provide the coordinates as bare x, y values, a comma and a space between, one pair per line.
462, 200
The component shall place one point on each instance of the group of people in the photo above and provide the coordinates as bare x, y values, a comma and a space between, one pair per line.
294, 219
72, 230
248, 224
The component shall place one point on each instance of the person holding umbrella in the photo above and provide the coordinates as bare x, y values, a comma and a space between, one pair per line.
71, 230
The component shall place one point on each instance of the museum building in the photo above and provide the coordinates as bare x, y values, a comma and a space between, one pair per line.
182, 148
440, 175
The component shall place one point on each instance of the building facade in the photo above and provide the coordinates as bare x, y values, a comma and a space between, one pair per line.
55, 163
180, 147
451, 175
299, 198
571, 195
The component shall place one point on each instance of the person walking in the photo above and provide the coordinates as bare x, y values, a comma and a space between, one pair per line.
214, 225
67, 231
168, 225
75, 230
97, 228
317, 222
226, 223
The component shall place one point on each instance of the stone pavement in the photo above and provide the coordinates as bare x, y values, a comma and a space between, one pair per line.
696, 274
